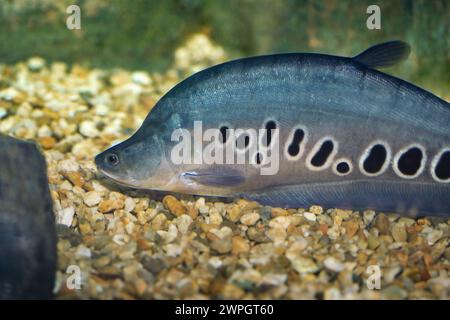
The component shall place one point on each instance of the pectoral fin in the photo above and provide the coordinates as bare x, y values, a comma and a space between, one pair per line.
213, 176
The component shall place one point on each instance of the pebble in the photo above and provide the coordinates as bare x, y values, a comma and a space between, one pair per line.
303, 264
129, 204
68, 165
250, 219
221, 245
175, 206
351, 227
368, 216
399, 232
91, 198
82, 252
88, 129
334, 265
3, 113
65, 216
239, 245
110, 205
235, 213
373, 242
382, 223
183, 223
310, 216
316, 210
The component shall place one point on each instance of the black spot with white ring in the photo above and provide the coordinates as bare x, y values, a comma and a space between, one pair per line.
376, 159
322, 155
442, 167
294, 146
410, 162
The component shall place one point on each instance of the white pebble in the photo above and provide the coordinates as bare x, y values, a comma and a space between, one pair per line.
65, 216
141, 78
91, 198
215, 262
88, 129
310, 216
121, 239
183, 223
332, 264
83, 252
3, 113
129, 204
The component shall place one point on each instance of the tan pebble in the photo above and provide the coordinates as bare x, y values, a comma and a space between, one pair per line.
101, 262
231, 291
277, 235
303, 264
215, 218
141, 286
193, 213
221, 245
316, 209
47, 142
399, 232
91, 198
250, 219
110, 205
85, 228
142, 205
175, 206
75, 177
373, 242
351, 227
239, 245
323, 228
234, 214
68, 165
382, 223
276, 212
281, 222
248, 205
159, 221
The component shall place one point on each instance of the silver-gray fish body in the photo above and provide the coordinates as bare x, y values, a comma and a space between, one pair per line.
329, 97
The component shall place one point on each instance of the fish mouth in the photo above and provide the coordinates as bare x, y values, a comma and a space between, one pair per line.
126, 182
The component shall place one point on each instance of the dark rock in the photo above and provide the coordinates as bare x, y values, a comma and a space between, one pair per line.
154, 264
27, 227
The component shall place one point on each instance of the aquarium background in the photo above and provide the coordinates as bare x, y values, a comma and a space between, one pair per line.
142, 34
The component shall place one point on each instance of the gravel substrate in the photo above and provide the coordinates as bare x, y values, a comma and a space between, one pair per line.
130, 246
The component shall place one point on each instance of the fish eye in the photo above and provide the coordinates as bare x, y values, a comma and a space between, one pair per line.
112, 159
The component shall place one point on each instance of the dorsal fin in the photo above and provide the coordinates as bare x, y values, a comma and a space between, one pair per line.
384, 54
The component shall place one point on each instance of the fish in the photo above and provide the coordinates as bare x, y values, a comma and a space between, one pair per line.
346, 135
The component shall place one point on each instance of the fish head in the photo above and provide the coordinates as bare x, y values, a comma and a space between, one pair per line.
137, 162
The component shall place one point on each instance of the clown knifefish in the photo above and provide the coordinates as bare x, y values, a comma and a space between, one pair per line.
348, 136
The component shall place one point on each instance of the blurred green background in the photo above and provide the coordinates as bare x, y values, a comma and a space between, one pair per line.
143, 34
